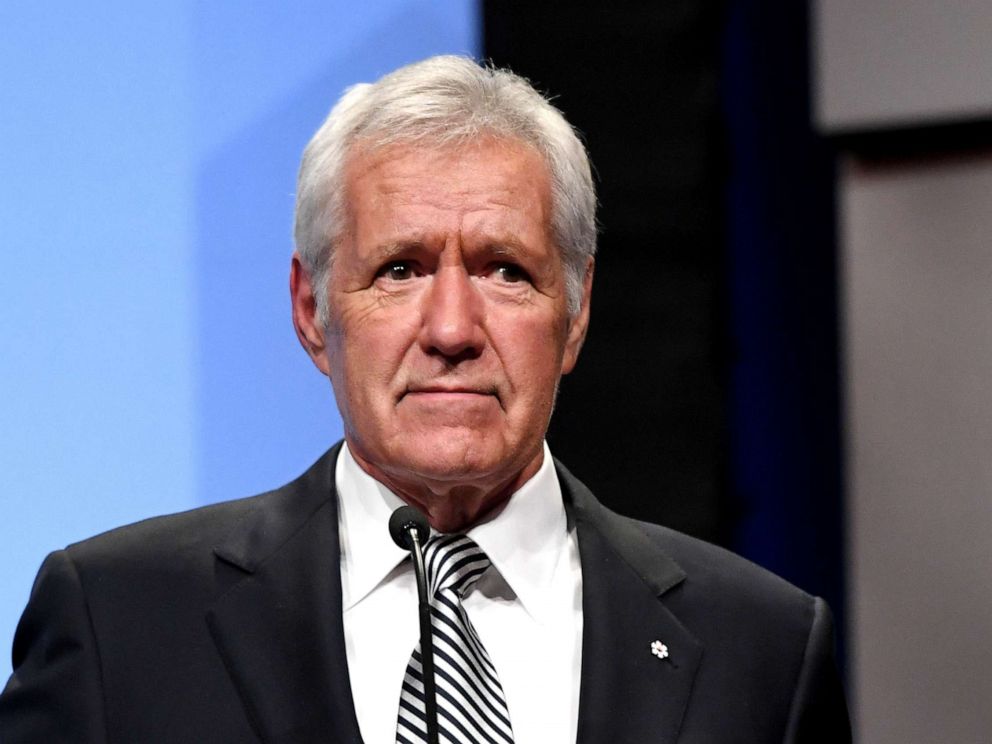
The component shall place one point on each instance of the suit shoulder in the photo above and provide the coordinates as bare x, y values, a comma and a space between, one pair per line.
197, 531
170, 531
727, 579
711, 577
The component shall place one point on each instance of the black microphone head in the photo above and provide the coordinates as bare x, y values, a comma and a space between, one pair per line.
400, 523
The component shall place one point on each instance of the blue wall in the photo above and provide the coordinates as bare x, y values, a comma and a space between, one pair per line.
784, 395
148, 158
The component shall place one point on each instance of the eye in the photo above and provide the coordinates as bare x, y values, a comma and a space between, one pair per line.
397, 271
511, 273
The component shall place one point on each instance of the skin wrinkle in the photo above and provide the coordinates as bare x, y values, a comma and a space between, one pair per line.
445, 364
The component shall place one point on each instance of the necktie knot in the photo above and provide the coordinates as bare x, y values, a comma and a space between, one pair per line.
454, 562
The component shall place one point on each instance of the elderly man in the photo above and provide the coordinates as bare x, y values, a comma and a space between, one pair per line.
445, 235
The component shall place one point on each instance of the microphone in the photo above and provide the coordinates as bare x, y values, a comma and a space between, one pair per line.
406, 522
409, 529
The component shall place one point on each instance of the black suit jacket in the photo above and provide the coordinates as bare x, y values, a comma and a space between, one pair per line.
223, 624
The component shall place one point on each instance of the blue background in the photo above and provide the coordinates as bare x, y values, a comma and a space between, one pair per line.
148, 155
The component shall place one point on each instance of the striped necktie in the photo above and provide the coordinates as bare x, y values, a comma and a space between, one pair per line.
470, 703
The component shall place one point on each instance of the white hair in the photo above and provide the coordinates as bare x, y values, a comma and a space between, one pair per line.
438, 102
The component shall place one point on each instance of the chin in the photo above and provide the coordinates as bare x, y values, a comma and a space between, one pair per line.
454, 465
456, 456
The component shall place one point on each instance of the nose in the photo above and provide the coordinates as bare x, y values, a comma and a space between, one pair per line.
452, 316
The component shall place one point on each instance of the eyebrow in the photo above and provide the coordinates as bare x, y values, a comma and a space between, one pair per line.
391, 250
507, 246
503, 246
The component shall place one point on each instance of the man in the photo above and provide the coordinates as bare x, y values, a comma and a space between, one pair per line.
445, 236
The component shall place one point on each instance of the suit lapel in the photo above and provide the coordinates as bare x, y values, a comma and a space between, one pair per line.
279, 627
627, 693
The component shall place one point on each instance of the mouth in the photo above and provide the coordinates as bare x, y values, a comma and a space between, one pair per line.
440, 391
451, 393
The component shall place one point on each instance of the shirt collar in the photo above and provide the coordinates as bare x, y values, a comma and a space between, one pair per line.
524, 541
528, 537
368, 553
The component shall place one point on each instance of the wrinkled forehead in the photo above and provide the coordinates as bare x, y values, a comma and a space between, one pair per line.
380, 148
489, 173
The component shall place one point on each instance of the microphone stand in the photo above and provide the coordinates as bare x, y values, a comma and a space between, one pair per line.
408, 527
426, 638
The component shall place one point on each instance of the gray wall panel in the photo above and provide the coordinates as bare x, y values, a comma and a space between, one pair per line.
917, 255
901, 62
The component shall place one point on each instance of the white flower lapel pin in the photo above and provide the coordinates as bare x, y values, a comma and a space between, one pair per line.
659, 649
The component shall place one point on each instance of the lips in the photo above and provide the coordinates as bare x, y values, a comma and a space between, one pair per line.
451, 392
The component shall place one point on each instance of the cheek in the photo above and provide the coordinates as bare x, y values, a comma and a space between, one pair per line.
368, 357
535, 358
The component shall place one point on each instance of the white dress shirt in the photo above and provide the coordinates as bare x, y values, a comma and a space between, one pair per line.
527, 608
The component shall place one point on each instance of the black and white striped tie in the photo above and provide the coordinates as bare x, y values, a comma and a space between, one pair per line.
470, 703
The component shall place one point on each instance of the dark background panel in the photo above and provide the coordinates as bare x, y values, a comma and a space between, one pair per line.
641, 420
707, 395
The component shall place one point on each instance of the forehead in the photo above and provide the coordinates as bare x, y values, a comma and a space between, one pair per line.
476, 185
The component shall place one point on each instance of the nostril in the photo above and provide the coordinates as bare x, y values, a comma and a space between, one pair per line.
453, 359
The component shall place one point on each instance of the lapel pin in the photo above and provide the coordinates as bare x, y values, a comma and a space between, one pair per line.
659, 649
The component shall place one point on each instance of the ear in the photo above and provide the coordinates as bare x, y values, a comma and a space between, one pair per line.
578, 325
309, 330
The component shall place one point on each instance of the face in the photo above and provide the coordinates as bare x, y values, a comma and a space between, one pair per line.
448, 327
